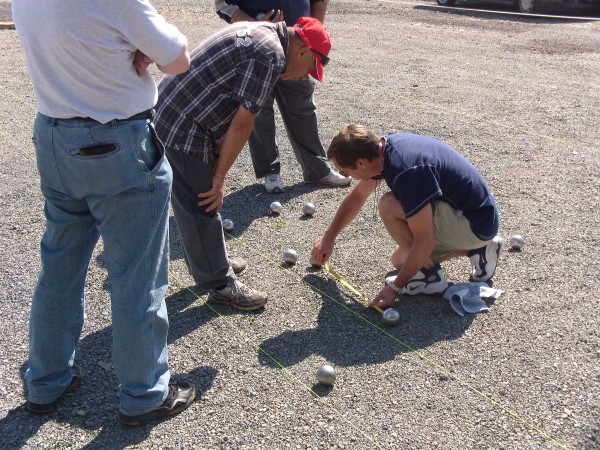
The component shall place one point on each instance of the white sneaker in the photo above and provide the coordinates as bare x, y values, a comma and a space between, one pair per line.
334, 179
273, 183
426, 281
485, 260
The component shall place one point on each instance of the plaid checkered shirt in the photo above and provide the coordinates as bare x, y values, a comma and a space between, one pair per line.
239, 65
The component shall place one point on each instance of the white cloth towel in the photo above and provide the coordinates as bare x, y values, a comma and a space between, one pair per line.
467, 297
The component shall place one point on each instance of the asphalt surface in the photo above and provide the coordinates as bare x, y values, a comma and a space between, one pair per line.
519, 98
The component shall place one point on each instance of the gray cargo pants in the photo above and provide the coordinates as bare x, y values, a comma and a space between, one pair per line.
201, 232
298, 111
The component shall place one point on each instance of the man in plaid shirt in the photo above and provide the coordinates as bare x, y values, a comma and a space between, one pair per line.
204, 118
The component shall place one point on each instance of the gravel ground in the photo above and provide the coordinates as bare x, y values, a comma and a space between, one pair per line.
519, 98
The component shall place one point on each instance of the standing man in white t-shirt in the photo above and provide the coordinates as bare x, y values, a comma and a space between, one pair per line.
102, 173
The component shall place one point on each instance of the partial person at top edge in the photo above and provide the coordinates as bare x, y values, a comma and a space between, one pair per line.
295, 100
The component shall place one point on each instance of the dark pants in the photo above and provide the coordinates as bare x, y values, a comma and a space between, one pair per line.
201, 232
298, 111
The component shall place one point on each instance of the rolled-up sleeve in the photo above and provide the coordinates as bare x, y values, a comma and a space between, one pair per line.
255, 80
146, 30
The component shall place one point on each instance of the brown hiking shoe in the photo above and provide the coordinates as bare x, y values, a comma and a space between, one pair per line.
238, 295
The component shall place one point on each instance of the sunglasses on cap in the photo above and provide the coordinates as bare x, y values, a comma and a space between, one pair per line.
324, 59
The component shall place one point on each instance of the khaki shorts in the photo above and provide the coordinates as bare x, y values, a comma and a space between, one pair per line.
452, 231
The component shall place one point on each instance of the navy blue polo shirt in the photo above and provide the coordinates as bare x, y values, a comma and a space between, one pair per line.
292, 9
419, 169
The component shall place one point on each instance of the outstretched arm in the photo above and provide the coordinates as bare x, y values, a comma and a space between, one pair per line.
347, 211
236, 137
421, 227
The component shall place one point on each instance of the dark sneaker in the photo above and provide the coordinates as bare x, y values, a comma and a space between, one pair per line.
427, 281
485, 260
45, 408
180, 397
238, 265
239, 296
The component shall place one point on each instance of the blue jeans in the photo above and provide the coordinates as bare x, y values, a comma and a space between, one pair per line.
121, 193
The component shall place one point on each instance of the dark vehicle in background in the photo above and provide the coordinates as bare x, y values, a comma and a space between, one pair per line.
537, 6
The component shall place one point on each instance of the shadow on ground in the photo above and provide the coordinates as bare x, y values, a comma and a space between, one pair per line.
94, 405
243, 207
509, 12
343, 340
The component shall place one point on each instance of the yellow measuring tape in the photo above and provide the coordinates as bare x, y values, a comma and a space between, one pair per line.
342, 280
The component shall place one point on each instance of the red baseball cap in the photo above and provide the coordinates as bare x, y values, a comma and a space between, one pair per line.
314, 34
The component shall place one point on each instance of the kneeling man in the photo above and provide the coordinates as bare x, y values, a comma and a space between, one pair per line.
439, 208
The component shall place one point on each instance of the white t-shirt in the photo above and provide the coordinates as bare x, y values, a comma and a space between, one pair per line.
80, 55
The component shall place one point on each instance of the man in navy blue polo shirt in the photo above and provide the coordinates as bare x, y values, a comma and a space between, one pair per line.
439, 208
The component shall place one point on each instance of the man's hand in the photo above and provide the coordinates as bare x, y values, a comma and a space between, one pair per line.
141, 63
273, 16
214, 197
385, 299
322, 250
236, 137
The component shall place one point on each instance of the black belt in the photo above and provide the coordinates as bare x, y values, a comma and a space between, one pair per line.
148, 114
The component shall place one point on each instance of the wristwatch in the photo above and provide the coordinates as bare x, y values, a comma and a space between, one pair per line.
395, 288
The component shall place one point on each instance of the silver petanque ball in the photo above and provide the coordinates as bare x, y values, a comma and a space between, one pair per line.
314, 263
308, 209
391, 317
276, 207
228, 224
290, 256
517, 241
326, 375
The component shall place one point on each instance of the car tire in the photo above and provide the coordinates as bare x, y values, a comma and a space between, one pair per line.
446, 2
529, 6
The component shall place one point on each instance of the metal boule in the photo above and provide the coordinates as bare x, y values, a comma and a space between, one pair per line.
276, 207
228, 224
308, 209
326, 375
391, 317
290, 256
517, 242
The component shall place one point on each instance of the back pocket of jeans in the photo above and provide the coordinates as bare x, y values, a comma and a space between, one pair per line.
96, 150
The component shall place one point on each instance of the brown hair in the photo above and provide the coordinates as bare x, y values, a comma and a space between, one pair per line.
351, 142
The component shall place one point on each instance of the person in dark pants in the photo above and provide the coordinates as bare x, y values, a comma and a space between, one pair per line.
205, 117
102, 173
294, 99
